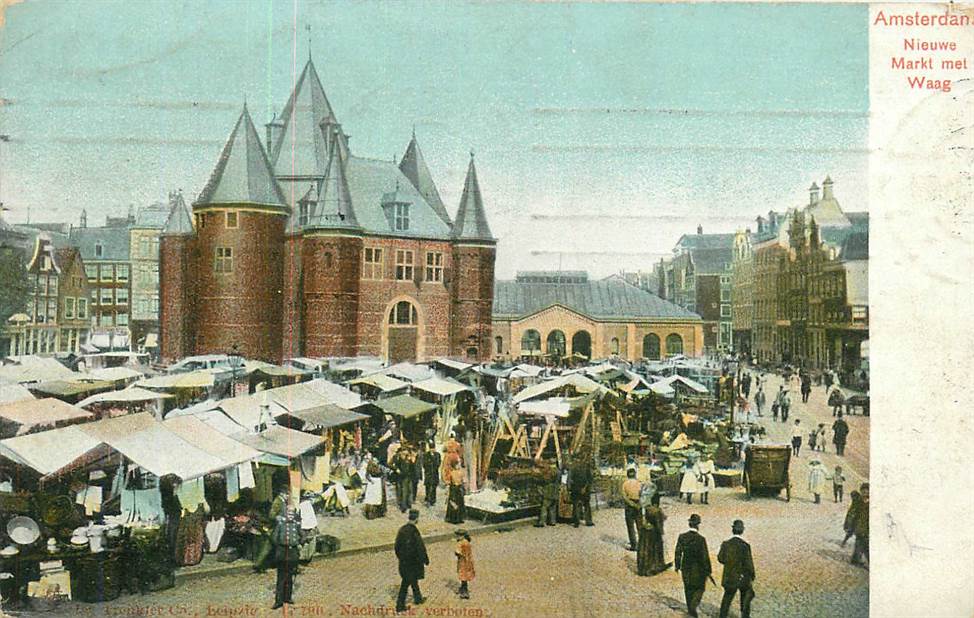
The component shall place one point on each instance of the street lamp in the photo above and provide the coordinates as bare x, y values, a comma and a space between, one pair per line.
233, 369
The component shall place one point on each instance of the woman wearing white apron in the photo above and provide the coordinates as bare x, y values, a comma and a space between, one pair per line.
706, 478
690, 483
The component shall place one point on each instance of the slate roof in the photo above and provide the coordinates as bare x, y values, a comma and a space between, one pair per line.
114, 242
414, 167
300, 148
369, 180
242, 174
606, 299
705, 241
152, 217
333, 204
65, 257
855, 247
711, 261
179, 223
471, 222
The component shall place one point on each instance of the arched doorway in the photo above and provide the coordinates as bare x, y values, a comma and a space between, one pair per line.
651, 346
531, 343
403, 332
556, 343
582, 344
674, 344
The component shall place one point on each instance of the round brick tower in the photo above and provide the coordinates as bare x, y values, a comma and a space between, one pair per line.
240, 223
474, 251
331, 262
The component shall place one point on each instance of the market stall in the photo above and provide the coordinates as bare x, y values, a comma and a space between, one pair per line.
71, 390
32, 415
132, 400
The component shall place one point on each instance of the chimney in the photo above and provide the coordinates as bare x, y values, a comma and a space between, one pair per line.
84, 218
812, 194
827, 188
699, 229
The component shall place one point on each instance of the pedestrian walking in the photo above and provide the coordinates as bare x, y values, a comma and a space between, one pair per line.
838, 482
286, 539
759, 400
827, 378
820, 438
836, 401
796, 437
649, 558
806, 388
631, 491
840, 433
464, 554
692, 560
580, 488
785, 406
413, 560
375, 492
549, 498
860, 527
404, 464
431, 461
455, 510
690, 481
816, 479
739, 575
849, 524
706, 478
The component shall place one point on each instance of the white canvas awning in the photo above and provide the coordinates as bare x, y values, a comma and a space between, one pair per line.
282, 441
579, 382
127, 395
678, 379
453, 364
380, 381
31, 414
115, 374
556, 407
438, 386
207, 438
13, 392
48, 451
35, 369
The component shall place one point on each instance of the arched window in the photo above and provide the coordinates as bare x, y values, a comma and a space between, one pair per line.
614, 346
674, 344
556, 343
582, 344
403, 314
531, 341
651, 347
499, 344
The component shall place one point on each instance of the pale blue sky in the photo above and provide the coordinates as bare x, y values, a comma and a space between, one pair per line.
597, 128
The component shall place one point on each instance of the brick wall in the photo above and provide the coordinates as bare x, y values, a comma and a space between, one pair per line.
292, 329
175, 277
242, 307
473, 297
331, 270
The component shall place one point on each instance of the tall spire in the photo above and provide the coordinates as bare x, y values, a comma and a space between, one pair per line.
179, 222
413, 167
242, 174
471, 222
299, 149
333, 206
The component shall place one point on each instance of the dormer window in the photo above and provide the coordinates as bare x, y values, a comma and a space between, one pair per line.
303, 213
402, 217
99, 250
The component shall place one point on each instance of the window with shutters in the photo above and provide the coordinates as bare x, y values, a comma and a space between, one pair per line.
404, 265
224, 260
372, 263
434, 266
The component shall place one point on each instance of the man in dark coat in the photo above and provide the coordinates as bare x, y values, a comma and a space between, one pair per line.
431, 473
551, 485
580, 488
840, 432
286, 539
411, 552
405, 465
735, 555
692, 560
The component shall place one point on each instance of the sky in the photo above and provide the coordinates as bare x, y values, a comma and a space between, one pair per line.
601, 132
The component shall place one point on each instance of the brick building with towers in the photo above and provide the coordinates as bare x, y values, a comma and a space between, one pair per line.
297, 247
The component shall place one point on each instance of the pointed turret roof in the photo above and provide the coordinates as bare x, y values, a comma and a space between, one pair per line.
301, 147
242, 174
179, 222
471, 222
334, 201
413, 166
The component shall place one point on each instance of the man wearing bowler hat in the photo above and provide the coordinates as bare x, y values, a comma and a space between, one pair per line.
693, 562
735, 555
411, 552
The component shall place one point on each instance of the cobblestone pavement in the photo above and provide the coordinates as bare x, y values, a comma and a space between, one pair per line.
563, 571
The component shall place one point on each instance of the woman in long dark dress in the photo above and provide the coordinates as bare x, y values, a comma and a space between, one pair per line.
454, 504
649, 555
